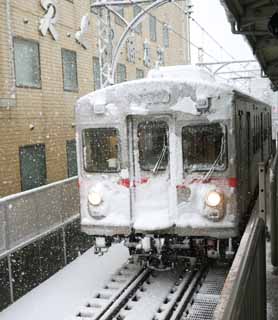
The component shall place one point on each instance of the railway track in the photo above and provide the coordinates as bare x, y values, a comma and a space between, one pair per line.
138, 293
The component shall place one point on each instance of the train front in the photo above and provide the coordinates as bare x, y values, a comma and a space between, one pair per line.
154, 167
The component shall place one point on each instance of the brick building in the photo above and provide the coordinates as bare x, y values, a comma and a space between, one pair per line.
42, 75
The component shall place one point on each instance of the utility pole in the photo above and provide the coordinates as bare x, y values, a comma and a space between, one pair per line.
104, 45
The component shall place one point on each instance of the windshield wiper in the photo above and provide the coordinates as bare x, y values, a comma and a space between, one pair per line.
212, 168
161, 157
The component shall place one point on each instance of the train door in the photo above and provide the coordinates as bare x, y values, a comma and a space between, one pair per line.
149, 164
242, 161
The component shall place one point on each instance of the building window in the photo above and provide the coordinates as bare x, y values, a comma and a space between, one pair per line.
71, 158
165, 36
139, 73
147, 54
152, 24
32, 166
96, 73
69, 70
27, 63
121, 73
136, 11
120, 11
160, 56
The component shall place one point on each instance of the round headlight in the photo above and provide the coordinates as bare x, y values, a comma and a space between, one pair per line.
94, 198
213, 198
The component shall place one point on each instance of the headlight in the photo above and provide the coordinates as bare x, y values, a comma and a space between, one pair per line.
213, 198
94, 198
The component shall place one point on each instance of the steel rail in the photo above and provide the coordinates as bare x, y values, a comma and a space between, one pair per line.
188, 294
181, 295
122, 283
117, 303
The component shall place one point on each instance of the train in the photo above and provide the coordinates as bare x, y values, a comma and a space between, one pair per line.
168, 164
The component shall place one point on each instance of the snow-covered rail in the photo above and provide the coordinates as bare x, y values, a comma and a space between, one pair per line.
135, 292
111, 298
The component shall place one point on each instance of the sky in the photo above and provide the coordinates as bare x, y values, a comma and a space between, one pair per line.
211, 15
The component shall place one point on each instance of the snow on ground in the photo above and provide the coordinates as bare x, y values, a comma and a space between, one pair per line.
60, 296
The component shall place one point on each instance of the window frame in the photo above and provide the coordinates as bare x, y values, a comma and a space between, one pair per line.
138, 28
118, 21
39, 63
76, 71
152, 34
167, 127
68, 146
225, 155
119, 154
165, 39
94, 78
139, 70
119, 65
20, 150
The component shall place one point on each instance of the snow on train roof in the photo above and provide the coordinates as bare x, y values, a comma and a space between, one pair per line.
175, 88
182, 72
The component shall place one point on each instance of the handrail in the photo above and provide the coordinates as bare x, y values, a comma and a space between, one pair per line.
248, 263
28, 215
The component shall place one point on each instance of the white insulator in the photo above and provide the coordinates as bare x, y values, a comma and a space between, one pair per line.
146, 244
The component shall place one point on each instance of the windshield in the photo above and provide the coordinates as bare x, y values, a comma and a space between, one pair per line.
100, 150
153, 145
202, 145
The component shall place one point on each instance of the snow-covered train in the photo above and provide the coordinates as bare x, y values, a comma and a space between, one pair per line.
169, 164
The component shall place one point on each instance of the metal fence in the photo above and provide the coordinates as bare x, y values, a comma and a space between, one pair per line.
27, 215
244, 293
39, 234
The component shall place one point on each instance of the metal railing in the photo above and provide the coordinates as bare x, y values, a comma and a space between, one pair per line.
244, 293
30, 222
29, 215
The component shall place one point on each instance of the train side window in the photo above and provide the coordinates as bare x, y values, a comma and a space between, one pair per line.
101, 150
203, 146
258, 133
254, 135
153, 145
265, 126
269, 132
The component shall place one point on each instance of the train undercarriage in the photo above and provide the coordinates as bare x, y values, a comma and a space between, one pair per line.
165, 252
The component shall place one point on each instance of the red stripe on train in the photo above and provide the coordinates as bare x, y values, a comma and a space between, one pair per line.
231, 182
126, 182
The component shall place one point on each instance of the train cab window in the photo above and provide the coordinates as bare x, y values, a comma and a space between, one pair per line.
100, 150
153, 145
203, 147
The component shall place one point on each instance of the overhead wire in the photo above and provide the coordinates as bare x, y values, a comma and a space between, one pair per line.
196, 46
181, 36
216, 42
